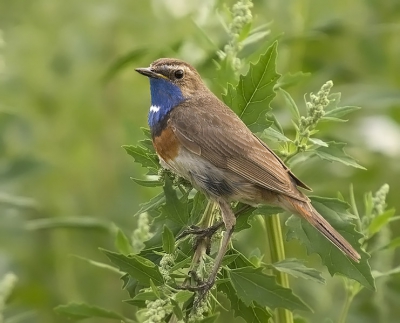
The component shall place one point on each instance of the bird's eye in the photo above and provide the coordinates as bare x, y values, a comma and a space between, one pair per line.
178, 74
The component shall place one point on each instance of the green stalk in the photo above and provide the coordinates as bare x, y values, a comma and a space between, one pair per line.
346, 307
277, 250
205, 222
207, 218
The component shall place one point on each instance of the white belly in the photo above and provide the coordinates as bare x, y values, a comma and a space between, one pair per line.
206, 177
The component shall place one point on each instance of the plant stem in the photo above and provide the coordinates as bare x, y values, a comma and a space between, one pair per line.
207, 218
346, 307
277, 250
206, 221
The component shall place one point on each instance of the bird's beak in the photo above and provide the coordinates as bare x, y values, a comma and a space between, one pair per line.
147, 71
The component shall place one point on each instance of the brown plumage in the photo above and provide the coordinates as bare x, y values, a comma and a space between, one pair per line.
214, 132
219, 154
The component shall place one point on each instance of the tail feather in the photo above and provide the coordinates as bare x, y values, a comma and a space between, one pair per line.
307, 211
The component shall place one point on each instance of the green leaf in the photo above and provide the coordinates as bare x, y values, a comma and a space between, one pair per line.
274, 121
15, 201
148, 144
256, 257
122, 243
145, 296
252, 96
130, 284
100, 265
299, 319
199, 205
270, 134
394, 271
334, 100
255, 37
335, 153
242, 221
175, 209
183, 295
251, 314
333, 119
287, 80
140, 299
393, 244
290, 103
143, 156
138, 267
80, 222
318, 142
147, 183
240, 260
244, 32
153, 204
77, 312
296, 268
228, 259
225, 73
395, 218
209, 319
379, 221
168, 240
340, 111
181, 264
154, 289
333, 112
336, 262
252, 285
146, 132
176, 309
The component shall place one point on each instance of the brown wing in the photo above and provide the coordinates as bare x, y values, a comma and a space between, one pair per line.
210, 129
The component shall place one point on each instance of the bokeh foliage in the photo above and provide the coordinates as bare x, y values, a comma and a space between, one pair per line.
69, 99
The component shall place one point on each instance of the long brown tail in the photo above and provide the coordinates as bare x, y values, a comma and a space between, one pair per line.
307, 211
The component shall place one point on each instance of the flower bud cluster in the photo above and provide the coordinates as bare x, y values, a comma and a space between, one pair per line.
316, 106
166, 263
176, 180
157, 310
241, 12
315, 111
208, 267
180, 181
141, 233
379, 199
198, 311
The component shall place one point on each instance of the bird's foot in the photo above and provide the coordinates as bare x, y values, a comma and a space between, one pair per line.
201, 232
201, 289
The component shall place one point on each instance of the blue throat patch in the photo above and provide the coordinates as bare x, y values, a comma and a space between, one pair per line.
164, 97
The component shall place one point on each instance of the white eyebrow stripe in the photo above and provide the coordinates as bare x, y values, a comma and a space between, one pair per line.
154, 108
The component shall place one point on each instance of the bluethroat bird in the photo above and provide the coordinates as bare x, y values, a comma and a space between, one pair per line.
202, 140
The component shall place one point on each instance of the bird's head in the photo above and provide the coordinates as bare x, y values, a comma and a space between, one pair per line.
172, 81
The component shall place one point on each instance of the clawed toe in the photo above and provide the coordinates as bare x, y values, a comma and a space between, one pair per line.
200, 232
202, 289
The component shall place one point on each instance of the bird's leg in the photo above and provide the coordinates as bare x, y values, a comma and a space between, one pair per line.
210, 231
203, 244
230, 220
201, 247
201, 232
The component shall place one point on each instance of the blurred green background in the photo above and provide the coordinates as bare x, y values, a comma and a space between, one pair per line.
66, 109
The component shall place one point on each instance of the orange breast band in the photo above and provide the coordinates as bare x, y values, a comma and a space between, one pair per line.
166, 144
